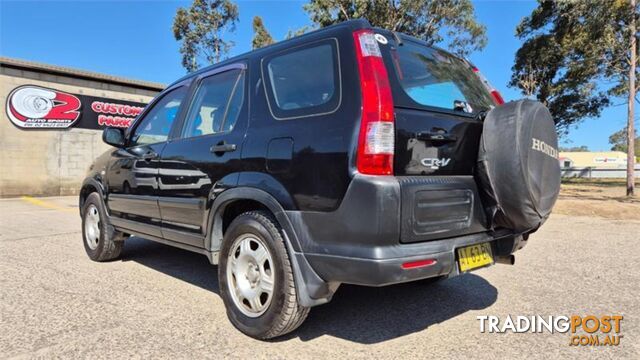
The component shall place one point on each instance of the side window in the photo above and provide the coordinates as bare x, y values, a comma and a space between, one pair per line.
303, 81
156, 124
216, 105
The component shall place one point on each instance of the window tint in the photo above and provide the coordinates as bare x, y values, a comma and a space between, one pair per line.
433, 77
156, 124
306, 78
216, 105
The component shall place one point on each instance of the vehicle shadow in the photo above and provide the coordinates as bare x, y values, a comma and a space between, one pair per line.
369, 315
180, 264
360, 314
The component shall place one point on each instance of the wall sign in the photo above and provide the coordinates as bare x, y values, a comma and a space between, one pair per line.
609, 160
36, 107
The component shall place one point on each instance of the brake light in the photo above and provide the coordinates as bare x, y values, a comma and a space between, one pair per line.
497, 97
376, 138
495, 94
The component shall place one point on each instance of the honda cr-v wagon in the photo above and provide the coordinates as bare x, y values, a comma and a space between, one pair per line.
347, 155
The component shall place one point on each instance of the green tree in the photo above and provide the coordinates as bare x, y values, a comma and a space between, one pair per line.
201, 29
582, 148
429, 20
578, 55
293, 33
261, 36
618, 141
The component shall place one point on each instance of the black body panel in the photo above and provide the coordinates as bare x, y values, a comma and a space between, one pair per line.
192, 170
131, 179
420, 135
309, 156
440, 207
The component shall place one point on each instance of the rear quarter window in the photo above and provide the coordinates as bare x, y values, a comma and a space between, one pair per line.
303, 81
431, 77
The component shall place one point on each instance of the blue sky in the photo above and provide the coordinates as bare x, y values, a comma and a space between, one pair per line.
134, 39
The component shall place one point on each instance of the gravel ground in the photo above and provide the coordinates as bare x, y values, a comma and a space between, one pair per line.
162, 302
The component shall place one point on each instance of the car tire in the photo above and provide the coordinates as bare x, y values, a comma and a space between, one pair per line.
101, 241
253, 259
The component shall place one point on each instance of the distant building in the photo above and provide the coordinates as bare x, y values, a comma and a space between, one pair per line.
604, 159
51, 121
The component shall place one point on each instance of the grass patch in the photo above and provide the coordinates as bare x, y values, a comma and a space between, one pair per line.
597, 197
596, 182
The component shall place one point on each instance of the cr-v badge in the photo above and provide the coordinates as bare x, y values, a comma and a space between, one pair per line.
435, 163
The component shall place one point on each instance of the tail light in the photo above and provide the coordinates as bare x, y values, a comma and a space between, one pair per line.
419, 264
497, 98
376, 139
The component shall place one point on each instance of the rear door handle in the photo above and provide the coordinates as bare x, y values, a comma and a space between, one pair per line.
436, 137
223, 148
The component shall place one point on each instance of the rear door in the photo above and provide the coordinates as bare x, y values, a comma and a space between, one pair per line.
202, 159
437, 98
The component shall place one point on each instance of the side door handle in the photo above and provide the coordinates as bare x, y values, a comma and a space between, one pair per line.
222, 147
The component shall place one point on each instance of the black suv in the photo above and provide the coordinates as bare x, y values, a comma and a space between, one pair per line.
347, 155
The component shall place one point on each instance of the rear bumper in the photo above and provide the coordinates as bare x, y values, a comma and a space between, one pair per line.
387, 271
384, 222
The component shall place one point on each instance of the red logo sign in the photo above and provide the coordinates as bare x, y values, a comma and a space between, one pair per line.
33, 106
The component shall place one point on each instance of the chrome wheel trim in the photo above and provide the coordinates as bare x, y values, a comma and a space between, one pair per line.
250, 275
92, 226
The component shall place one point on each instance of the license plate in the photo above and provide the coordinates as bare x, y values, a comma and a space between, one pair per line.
474, 256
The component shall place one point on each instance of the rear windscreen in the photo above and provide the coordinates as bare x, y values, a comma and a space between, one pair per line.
432, 77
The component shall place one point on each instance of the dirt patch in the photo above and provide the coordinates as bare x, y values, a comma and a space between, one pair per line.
603, 198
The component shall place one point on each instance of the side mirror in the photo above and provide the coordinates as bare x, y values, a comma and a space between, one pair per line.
113, 137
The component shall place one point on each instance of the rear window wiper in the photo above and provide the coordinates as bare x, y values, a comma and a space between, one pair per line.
459, 105
397, 38
480, 115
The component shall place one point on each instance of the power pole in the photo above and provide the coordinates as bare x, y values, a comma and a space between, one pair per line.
631, 159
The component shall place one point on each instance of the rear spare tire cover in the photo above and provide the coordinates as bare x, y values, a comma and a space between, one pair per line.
518, 169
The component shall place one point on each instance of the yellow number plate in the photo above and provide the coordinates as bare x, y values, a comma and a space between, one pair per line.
474, 256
